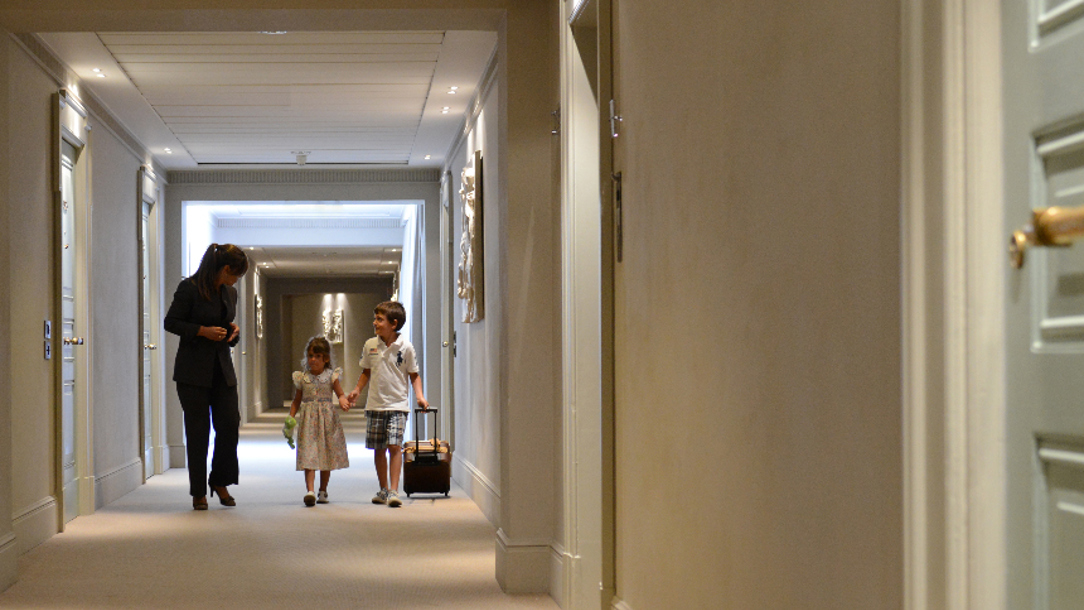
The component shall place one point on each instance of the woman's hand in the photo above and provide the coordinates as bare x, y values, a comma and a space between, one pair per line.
236, 331
214, 333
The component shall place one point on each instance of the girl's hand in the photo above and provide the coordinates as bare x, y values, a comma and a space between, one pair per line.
214, 333
344, 403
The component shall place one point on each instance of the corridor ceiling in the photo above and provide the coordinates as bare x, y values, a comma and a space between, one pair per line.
260, 99
255, 100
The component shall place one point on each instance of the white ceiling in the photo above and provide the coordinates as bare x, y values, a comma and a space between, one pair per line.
259, 99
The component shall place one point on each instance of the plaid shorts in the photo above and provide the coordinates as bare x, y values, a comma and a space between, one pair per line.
385, 428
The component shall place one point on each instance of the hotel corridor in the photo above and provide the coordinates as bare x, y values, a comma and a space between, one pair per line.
150, 550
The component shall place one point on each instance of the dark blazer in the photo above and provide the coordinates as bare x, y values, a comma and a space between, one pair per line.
196, 356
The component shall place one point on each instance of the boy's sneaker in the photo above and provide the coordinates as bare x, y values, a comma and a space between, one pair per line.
310, 499
321, 497
381, 497
393, 499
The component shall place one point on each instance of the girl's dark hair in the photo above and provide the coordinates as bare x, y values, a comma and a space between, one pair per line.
215, 258
318, 345
393, 311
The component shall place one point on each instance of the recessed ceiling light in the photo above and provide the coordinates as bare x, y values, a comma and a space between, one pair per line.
100, 75
452, 92
169, 151
444, 112
453, 88
97, 70
427, 157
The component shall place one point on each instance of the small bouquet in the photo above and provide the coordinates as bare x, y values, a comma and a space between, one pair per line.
288, 430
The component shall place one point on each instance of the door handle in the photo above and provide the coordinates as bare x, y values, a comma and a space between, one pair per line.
1052, 227
73, 341
150, 346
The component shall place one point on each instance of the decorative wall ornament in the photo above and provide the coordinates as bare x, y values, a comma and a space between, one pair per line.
470, 285
333, 325
259, 317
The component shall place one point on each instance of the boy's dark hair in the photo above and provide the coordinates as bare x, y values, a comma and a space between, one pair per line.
318, 345
393, 311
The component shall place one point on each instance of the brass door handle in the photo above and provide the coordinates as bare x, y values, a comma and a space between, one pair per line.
73, 341
150, 346
1052, 227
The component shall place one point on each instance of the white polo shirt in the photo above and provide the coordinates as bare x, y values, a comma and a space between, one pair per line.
389, 373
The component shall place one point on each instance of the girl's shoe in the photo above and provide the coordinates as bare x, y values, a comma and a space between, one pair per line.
310, 499
321, 497
393, 499
381, 497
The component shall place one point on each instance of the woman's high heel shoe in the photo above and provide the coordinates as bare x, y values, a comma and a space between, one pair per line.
199, 503
223, 496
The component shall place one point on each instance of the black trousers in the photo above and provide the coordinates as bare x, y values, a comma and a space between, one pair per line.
202, 407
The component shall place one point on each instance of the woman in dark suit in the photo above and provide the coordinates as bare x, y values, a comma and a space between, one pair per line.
202, 315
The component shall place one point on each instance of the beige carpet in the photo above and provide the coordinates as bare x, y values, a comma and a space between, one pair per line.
150, 550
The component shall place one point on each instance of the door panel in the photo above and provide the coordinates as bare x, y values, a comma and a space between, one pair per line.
69, 474
1044, 101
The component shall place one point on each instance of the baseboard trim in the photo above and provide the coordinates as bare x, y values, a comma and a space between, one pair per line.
177, 456
35, 524
478, 487
619, 604
113, 485
523, 566
9, 561
560, 574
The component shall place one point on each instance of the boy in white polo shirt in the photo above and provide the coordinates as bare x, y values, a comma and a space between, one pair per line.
387, 362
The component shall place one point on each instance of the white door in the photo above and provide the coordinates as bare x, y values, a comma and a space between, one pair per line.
1043, 44
69, 339
147, 416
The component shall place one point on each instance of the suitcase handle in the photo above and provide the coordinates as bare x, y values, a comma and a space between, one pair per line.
436, 425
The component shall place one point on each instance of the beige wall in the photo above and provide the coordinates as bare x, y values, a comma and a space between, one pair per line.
114, 288
478, 359
108, 193
758, 427
8, 544
28, 161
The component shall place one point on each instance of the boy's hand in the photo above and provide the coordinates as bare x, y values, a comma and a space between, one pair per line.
423, 403
344, 403
352, 397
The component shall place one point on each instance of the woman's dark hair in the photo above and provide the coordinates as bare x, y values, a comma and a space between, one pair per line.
318, 345
394, 312
215, 258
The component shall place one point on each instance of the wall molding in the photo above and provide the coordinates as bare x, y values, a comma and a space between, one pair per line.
478, 487
485, 85
619, 604
35, 524
9, 560
302, 176
309, 223
64, 77
118, 482
523, 565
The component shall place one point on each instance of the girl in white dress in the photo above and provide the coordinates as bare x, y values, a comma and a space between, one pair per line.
321, 444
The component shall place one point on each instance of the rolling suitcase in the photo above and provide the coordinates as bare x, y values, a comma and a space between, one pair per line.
427, 464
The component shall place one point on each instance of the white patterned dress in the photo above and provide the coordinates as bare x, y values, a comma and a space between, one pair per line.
321, 444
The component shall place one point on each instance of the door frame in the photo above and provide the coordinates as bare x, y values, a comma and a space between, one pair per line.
954, 261
148, 194
71, 125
